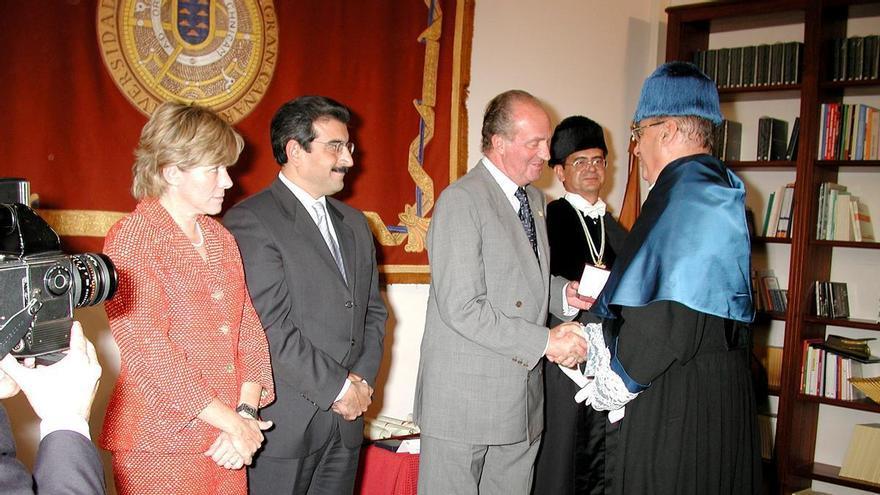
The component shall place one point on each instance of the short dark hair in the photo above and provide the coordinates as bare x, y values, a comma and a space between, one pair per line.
498, 118
295, 120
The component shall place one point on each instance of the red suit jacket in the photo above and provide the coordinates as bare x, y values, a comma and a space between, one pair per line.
186, 332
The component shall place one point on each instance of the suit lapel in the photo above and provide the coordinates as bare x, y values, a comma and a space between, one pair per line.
519, 241
304, 228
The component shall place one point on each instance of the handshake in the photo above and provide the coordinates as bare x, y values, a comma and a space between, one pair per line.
567, 345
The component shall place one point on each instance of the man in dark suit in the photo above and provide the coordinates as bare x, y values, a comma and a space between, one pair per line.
61, 395
580, 231
479, 393
311, 271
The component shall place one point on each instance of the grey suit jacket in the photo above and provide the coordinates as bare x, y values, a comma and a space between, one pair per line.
67, 463
318, 327
479, 381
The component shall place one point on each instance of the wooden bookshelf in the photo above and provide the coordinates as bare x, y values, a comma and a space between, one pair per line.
831, 474
860, 404
688, 31
845, 322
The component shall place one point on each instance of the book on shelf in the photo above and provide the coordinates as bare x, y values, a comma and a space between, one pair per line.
792, 58
780, 208
863, 230
849, 132
786, 212
832, 299
735, 57
770, 358
842, 216
767, 431
749, 66
772, 138
855, 58
722, 67
857, 349
776, 63
766, 292
748, 70
728, 136
791, 151
765, 226
826, 371
862, 459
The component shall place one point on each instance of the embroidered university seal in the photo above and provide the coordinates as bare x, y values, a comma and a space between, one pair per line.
217, 53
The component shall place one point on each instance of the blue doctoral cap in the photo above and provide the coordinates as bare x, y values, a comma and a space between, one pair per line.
679, 89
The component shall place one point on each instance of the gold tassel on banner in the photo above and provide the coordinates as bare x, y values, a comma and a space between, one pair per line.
632, 197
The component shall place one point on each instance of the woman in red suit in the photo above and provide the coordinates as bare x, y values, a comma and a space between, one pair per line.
194, 357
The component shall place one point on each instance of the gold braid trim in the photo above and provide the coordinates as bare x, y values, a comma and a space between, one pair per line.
85, 223
417, 225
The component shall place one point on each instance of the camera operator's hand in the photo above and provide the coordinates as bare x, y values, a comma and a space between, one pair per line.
65, 389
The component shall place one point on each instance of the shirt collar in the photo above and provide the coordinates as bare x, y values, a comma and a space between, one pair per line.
305, 198
594, 210
507, 186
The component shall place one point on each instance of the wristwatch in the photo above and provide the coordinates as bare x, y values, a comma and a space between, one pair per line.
247, 410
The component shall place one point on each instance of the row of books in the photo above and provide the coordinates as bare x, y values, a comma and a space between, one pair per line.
770, 358
780, 208
767, 430
849, 132
832, 299
767, 295
750, 66
773, 140
826, 373
727, 141
862, 460
842, 216
855, 58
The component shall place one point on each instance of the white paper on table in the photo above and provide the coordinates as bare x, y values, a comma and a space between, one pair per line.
592, 281
409, 446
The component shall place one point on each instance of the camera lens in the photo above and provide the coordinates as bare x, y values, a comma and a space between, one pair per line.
95, 280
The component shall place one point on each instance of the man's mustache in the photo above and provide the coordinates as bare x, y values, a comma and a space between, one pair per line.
341, 170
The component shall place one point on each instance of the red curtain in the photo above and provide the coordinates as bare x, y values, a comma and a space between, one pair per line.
68, 129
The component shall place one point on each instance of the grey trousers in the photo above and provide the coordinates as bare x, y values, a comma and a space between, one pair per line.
447, 467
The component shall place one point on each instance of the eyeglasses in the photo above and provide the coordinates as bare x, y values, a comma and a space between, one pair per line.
636, 132
583, 161
337, 146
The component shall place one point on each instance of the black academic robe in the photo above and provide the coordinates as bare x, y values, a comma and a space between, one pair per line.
693, 430
572, 456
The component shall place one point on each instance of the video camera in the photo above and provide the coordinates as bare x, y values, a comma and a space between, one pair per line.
39, 285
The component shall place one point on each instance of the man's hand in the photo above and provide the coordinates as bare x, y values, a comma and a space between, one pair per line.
567, 345
65, 389
576, 300
357, 399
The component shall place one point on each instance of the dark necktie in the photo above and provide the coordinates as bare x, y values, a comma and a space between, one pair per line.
525, 216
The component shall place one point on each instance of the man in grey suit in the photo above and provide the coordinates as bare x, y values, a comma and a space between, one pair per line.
310, 266
479, 393
61, 395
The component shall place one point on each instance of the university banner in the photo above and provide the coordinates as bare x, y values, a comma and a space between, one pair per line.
80, 78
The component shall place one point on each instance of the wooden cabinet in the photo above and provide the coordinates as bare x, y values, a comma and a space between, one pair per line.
802, 260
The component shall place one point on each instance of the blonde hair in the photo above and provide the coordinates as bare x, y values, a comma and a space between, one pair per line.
186, 136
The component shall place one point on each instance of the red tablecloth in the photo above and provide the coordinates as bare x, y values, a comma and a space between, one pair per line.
382, 472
